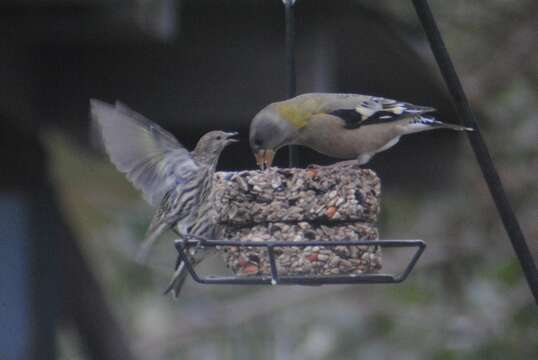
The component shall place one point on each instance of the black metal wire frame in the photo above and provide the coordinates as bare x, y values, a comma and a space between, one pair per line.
478, 144
276, 279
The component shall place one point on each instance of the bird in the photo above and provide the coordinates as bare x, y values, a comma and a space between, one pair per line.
174, 180
344, 126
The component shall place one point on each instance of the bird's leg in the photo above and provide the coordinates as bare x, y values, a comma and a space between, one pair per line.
180, 234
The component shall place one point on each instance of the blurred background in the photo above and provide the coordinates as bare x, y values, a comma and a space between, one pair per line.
70, 223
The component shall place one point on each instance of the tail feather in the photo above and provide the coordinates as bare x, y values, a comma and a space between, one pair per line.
152, 235
422, 123
196, 255
177, 281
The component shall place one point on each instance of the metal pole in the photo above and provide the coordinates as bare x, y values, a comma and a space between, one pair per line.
290, 61
480, 148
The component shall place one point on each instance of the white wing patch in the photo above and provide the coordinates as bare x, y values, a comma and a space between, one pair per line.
365, 112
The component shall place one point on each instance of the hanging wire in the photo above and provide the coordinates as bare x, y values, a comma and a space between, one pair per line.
294, 157
480, 148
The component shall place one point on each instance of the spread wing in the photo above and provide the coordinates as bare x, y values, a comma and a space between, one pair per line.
153, 160
357, 110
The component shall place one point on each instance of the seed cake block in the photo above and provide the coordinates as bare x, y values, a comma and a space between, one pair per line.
320, 204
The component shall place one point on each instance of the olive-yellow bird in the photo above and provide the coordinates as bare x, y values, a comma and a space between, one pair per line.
344, 126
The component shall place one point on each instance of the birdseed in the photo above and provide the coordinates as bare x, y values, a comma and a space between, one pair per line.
318, 204
309, 260
292, 195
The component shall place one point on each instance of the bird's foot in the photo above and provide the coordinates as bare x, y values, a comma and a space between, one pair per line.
336, 166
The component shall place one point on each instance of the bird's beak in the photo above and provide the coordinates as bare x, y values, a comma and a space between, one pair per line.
230, 137
264, 158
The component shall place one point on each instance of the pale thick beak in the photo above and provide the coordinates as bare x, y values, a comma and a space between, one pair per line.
264, 158
230, 137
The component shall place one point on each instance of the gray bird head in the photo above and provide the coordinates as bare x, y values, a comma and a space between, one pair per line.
211, 144
268, 133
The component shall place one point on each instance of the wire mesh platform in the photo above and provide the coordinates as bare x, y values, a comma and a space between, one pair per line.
276, 279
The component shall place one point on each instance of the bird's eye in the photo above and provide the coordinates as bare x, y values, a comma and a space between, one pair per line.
219, 137
258, 141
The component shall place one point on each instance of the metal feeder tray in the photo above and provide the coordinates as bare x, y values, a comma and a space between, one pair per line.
276, 279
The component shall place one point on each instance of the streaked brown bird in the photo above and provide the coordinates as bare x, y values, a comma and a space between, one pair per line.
175, 180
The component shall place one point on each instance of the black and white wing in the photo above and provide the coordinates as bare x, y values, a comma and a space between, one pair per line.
153, 160
357, 110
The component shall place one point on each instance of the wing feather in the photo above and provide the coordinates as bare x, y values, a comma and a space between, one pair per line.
357, 110
152, 159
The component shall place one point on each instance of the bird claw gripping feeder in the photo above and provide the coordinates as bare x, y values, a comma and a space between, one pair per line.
267, 270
